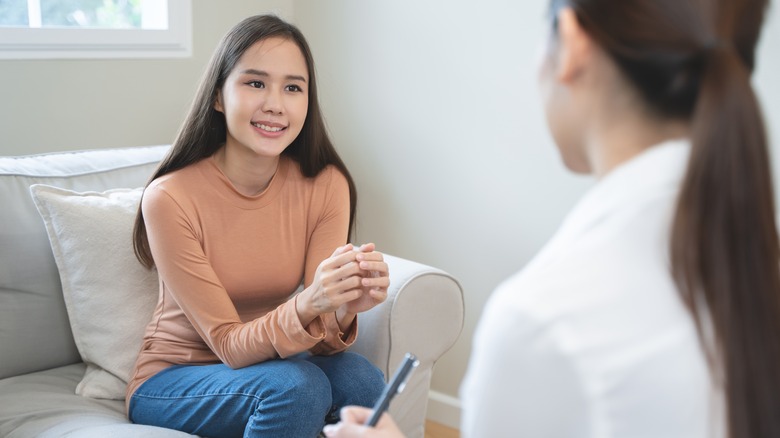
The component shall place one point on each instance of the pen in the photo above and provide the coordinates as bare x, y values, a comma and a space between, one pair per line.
395, 386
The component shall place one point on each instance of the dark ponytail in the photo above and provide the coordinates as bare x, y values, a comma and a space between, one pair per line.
725, 248
692, 61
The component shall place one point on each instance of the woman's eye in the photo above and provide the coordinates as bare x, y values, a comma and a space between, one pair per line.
293, 88
256, 84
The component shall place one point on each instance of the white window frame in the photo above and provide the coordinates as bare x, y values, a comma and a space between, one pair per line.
80, 43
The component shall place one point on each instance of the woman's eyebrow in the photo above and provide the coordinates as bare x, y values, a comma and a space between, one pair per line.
252, 71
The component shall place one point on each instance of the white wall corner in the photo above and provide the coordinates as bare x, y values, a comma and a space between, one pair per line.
443, 409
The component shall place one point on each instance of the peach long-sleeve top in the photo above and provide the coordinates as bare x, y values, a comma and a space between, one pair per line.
229, 266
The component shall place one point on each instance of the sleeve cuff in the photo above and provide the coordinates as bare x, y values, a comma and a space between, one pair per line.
302, 338
335, 340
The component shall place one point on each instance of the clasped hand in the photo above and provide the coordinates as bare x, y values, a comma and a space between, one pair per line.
350, 281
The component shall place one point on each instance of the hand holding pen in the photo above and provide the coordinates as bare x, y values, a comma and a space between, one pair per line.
360, 422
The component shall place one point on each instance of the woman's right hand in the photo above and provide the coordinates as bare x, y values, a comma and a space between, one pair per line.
336, 281
352, 425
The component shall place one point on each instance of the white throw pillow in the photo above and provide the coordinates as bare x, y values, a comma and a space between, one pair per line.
109, 296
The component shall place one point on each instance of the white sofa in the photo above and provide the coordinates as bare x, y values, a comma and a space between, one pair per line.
40, 365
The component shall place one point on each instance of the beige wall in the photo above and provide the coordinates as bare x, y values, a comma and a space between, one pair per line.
79, 104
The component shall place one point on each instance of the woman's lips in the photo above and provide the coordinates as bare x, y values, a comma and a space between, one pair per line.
269, 129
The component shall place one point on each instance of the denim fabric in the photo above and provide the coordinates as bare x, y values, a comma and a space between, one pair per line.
278, 398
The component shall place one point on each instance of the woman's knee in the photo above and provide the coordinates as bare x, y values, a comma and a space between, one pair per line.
366, 371
354, 378
303, 384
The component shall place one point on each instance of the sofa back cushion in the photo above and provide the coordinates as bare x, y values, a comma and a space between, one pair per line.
34, 329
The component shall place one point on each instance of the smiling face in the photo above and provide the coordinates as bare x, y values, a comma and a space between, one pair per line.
265, 98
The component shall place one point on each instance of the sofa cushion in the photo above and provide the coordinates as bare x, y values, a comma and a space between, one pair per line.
34, 329
44, 405
109, 296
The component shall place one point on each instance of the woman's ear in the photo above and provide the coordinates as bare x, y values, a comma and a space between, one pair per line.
218, 102
575, 47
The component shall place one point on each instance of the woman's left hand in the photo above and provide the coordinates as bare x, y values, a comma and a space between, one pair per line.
375, 281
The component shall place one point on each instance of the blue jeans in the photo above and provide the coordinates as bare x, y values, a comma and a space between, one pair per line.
278, 398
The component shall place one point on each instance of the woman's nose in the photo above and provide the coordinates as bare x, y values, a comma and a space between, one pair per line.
272, 103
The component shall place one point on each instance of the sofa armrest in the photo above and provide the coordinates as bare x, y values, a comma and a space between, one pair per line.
423, 315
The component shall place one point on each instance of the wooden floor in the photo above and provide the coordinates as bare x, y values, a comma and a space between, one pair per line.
436, 430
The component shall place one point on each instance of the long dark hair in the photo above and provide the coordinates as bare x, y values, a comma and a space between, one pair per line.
692, 60
204, 130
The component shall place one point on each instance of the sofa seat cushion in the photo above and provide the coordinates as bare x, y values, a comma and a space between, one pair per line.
45, 404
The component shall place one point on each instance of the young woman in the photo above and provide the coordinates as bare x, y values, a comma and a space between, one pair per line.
655, 309
251, 202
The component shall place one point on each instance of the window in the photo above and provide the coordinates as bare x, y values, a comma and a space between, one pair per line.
36, 29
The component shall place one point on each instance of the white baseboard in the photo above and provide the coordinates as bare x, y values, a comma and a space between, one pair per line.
444, 409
